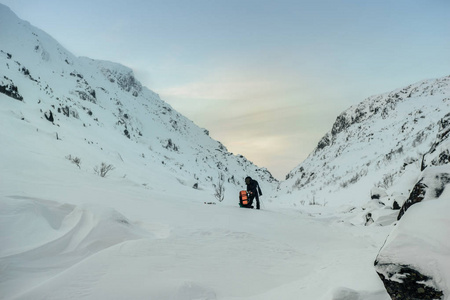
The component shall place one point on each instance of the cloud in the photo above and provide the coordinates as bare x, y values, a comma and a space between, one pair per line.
224, 88
269, 118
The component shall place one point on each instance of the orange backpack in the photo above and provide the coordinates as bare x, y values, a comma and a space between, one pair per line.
243, 198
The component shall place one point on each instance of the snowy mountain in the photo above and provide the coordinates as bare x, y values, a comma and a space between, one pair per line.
375, 145
387, 152
95, 111
141, 231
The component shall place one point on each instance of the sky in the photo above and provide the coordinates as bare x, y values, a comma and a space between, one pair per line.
266, 78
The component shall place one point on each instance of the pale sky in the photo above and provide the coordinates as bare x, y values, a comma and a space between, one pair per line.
266, 78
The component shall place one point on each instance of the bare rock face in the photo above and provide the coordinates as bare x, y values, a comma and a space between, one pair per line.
416, 196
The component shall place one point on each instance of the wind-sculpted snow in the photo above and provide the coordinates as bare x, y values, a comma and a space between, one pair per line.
42, 239
52, 250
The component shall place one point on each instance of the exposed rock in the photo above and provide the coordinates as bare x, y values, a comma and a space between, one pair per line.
369, 219
417, 195
442, 159
83, 95
439, 153
49, 116
124, 79
377, 193
324, 142
404, 283
69, 111
9, 89
127, 133
340, 124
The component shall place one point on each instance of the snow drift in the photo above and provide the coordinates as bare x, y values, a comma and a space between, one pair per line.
45, 238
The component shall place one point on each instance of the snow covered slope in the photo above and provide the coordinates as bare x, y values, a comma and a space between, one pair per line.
143, 232
414, 261
378, 143
97, 112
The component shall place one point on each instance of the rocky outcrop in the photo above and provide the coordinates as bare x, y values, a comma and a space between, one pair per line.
439, 153
416, 196
124, 79
8, 88
412, 285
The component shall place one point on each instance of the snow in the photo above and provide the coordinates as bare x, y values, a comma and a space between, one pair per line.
144, 232
68, 233
378, 143
420, 239
108, 239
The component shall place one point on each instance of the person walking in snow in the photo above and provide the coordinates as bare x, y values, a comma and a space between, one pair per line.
254, 191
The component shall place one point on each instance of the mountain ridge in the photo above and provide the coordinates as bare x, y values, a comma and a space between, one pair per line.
102, 104
372, 143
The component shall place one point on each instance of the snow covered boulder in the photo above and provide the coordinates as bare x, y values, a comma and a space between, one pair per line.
414, 262
377, 193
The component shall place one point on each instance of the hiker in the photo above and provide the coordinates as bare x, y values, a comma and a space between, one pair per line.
253, 190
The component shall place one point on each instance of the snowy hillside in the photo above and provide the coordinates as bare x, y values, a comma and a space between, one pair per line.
414, 261
97, 111
142, 231
373, 145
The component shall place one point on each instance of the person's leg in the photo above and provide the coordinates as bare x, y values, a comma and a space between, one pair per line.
250, 200
257, 202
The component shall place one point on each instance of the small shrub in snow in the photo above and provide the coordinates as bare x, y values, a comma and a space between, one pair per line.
103, 169
220, 189
75, 160
171, 146
421, 136
387, 181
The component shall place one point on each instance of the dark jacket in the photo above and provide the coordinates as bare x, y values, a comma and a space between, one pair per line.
253, 187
